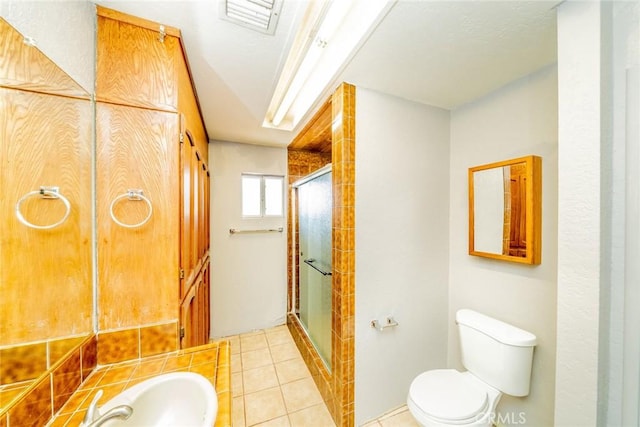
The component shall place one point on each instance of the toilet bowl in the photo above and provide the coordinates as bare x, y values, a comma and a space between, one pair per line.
498, 359
446, 397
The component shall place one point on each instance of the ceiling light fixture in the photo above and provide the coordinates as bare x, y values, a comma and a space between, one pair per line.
331, 33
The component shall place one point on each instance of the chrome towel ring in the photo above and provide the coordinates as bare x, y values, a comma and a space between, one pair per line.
46, 193
133, 195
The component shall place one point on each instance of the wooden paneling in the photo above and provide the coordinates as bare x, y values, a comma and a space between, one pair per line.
136, 66
24, 67
137, 268
189, 319
139, 67
189, 106
194, 314
44, 140
135, 20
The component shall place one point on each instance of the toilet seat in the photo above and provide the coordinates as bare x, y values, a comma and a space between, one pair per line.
447, 396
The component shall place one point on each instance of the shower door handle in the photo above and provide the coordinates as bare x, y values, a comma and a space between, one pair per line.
310, 261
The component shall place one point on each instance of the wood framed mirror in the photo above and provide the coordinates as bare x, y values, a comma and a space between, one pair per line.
505, 210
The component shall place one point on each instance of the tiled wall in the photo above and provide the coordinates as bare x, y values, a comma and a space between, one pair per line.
38, 403
21, 365
337, 386
213, 361
343, 299
46, 396
136, 343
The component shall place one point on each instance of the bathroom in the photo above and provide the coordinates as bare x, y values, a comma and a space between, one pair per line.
419, 230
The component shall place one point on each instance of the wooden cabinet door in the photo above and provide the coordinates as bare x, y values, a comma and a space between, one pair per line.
138, 267
44, 141
136, 66
194, 311
205, 295
25, 67
189, 319
189, 208
518, 215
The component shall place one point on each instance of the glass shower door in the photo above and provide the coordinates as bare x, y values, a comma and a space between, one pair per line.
314, 260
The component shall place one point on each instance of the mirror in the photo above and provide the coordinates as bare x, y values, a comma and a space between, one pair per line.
46, 250
505, 208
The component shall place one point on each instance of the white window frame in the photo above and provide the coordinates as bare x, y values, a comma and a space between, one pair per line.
263, 201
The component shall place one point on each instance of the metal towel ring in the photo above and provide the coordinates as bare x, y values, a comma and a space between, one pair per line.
133, 195
46, 193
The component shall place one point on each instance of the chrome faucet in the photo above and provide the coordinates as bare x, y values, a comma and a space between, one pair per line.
93, 418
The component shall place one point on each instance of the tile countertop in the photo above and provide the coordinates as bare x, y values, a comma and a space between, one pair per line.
213, 361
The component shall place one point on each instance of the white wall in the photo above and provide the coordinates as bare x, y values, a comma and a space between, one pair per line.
598, 287
248, 271
516, 120
402, 214
63, 30
623, 373
580, 217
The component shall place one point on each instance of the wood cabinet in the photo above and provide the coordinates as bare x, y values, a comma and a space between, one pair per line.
195, 311
45, 142
136, 62
137, 149
518, 212
151, 138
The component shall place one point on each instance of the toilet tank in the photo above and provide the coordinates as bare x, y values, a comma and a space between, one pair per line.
498, 353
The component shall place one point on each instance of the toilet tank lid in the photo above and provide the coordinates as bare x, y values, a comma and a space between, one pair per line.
500, 331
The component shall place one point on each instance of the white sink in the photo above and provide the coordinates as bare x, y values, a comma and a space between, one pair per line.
174, 399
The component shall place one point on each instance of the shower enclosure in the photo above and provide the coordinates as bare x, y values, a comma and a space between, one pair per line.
312, 257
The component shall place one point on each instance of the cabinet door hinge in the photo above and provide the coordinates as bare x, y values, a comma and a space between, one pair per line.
181, 332
181, 137
182, 273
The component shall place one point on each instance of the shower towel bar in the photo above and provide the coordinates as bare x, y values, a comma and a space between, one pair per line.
310, 262
266, 230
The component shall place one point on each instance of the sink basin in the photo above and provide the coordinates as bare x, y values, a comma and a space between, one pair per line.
174, 399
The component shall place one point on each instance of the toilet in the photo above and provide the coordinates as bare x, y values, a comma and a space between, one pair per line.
498, 358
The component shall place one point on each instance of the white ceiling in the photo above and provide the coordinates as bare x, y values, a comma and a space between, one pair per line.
442, 53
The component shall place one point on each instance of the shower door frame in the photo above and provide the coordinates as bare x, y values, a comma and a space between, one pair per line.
295, 258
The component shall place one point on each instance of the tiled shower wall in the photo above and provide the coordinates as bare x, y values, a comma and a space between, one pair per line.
337, 386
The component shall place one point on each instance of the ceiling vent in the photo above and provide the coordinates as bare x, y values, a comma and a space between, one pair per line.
258, 15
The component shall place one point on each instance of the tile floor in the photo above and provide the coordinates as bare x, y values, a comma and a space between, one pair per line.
272, 386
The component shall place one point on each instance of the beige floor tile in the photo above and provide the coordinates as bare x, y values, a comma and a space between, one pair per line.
393, 412
256, 358
236, 363
291, 370
276, 422
237, 417
263, 406
279, 337
252, 342
276, 329
235, 343
369, 424
316, 416
259, 379
399, 419
282, 352
300, 394
236, 384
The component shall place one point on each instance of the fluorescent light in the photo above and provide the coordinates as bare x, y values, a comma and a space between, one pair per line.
318, 55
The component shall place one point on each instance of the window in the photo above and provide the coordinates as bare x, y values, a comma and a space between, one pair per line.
262, 195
